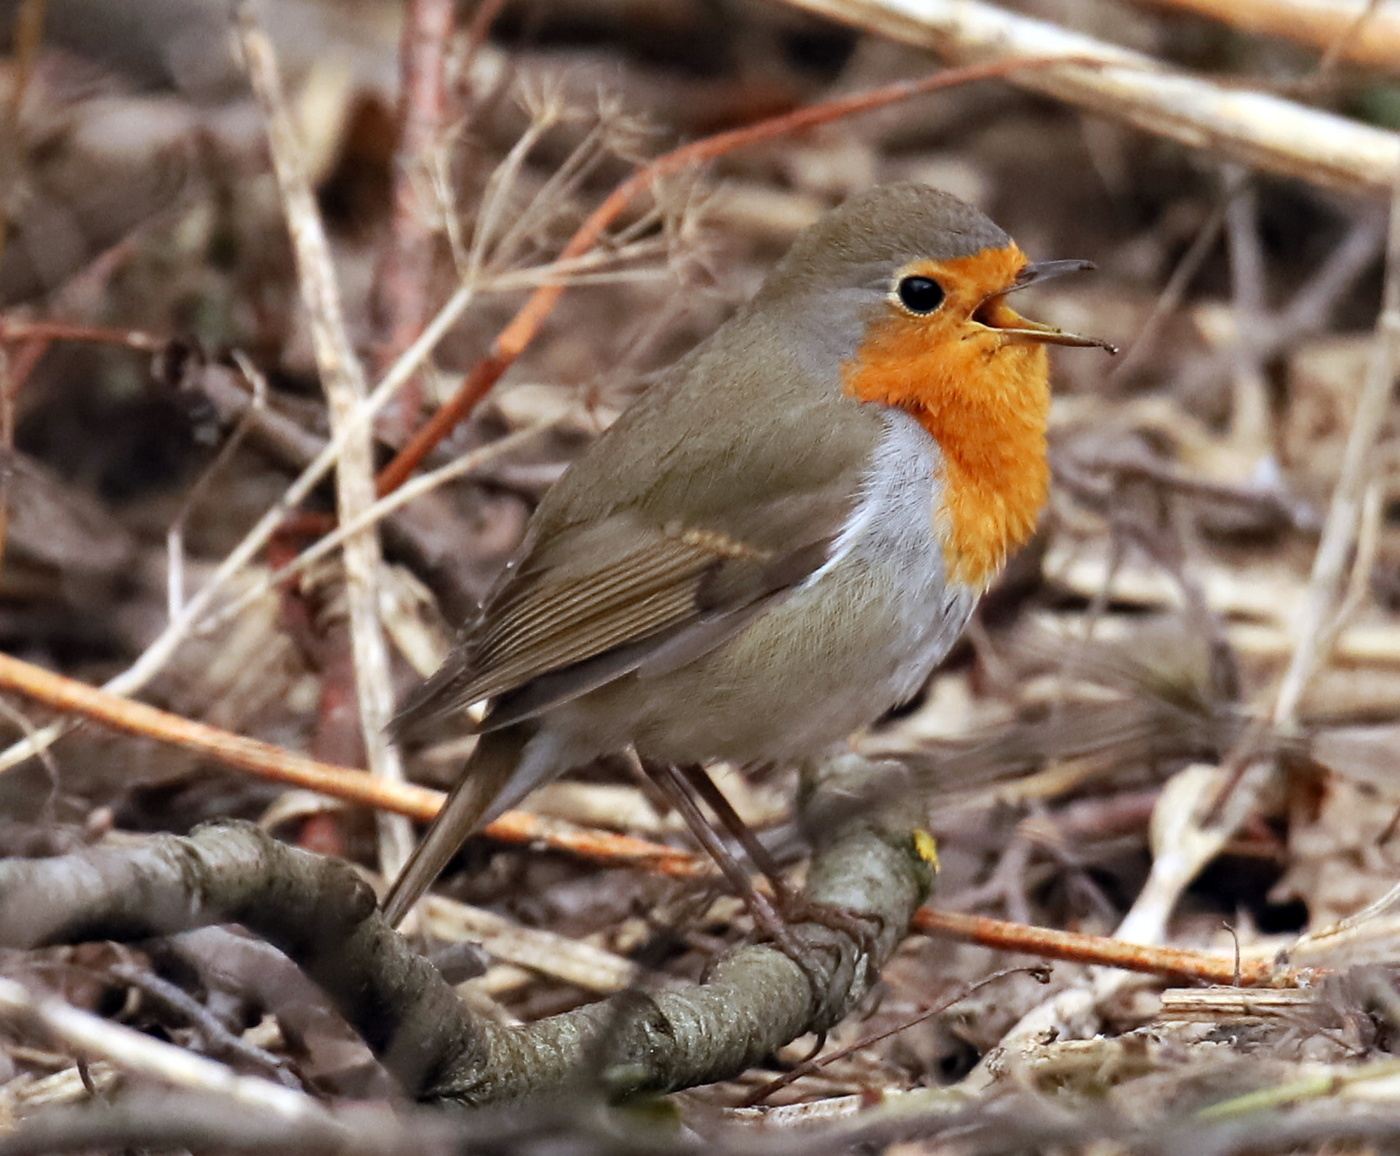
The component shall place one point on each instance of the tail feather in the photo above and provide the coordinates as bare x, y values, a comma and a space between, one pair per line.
473, 802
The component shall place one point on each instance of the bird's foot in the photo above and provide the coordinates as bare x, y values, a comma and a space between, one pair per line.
863, 929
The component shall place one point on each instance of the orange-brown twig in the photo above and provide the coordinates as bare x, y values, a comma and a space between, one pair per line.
1172, 963
399, 301
14, 330
521, 330
353, 786
1369, 35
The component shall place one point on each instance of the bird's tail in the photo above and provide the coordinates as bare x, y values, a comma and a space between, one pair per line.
473, 802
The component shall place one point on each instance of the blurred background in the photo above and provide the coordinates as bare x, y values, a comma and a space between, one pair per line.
1143, 633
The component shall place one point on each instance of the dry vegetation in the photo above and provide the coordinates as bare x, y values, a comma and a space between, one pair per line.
1175, 723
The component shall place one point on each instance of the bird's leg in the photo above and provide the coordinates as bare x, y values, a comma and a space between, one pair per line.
677, 791
704, 786
774, 923
765, 915
792, 907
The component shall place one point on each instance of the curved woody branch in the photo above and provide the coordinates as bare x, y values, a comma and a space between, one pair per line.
324, 917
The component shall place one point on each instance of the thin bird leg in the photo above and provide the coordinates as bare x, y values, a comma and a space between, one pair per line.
793, 908
704, 786
765, 915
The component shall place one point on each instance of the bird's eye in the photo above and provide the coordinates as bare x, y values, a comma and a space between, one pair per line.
920, 294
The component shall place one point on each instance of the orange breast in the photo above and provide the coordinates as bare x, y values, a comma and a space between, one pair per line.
985, 399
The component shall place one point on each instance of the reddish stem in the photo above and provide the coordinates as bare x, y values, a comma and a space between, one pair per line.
1074, 947
400, 302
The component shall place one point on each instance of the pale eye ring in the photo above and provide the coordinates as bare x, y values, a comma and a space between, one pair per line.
919, 294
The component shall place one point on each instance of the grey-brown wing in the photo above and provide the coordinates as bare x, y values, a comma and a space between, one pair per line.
553, 632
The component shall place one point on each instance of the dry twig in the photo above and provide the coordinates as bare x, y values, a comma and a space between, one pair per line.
133, 1051
400, 301
1171, 963
1251, 128
353, 786
1358, 31
1344, 515
343, 379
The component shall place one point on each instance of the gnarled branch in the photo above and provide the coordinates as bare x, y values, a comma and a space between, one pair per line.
324, 917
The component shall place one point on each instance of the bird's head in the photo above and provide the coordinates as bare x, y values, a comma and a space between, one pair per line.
909, 287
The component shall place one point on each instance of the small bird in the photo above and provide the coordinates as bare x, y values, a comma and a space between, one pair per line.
780, 540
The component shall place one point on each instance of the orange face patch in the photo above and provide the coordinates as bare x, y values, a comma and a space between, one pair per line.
984, 396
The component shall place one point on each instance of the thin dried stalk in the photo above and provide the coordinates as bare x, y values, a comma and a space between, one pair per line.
1362, 32
276, 764
1252, 128
400, 300
1177, 964
175, 535
132, 1051
573, 961
1344, 515
343, 379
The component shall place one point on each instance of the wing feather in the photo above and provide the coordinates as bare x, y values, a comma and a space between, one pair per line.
545, 624
546, 605
585, 638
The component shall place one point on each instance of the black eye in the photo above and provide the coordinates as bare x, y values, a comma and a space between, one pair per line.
920, 294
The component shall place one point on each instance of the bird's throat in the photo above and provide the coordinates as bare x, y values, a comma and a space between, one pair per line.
987, 410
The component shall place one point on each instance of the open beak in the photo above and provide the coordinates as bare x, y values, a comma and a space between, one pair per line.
994, 313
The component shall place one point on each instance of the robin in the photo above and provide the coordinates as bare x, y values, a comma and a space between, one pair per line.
780, 540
